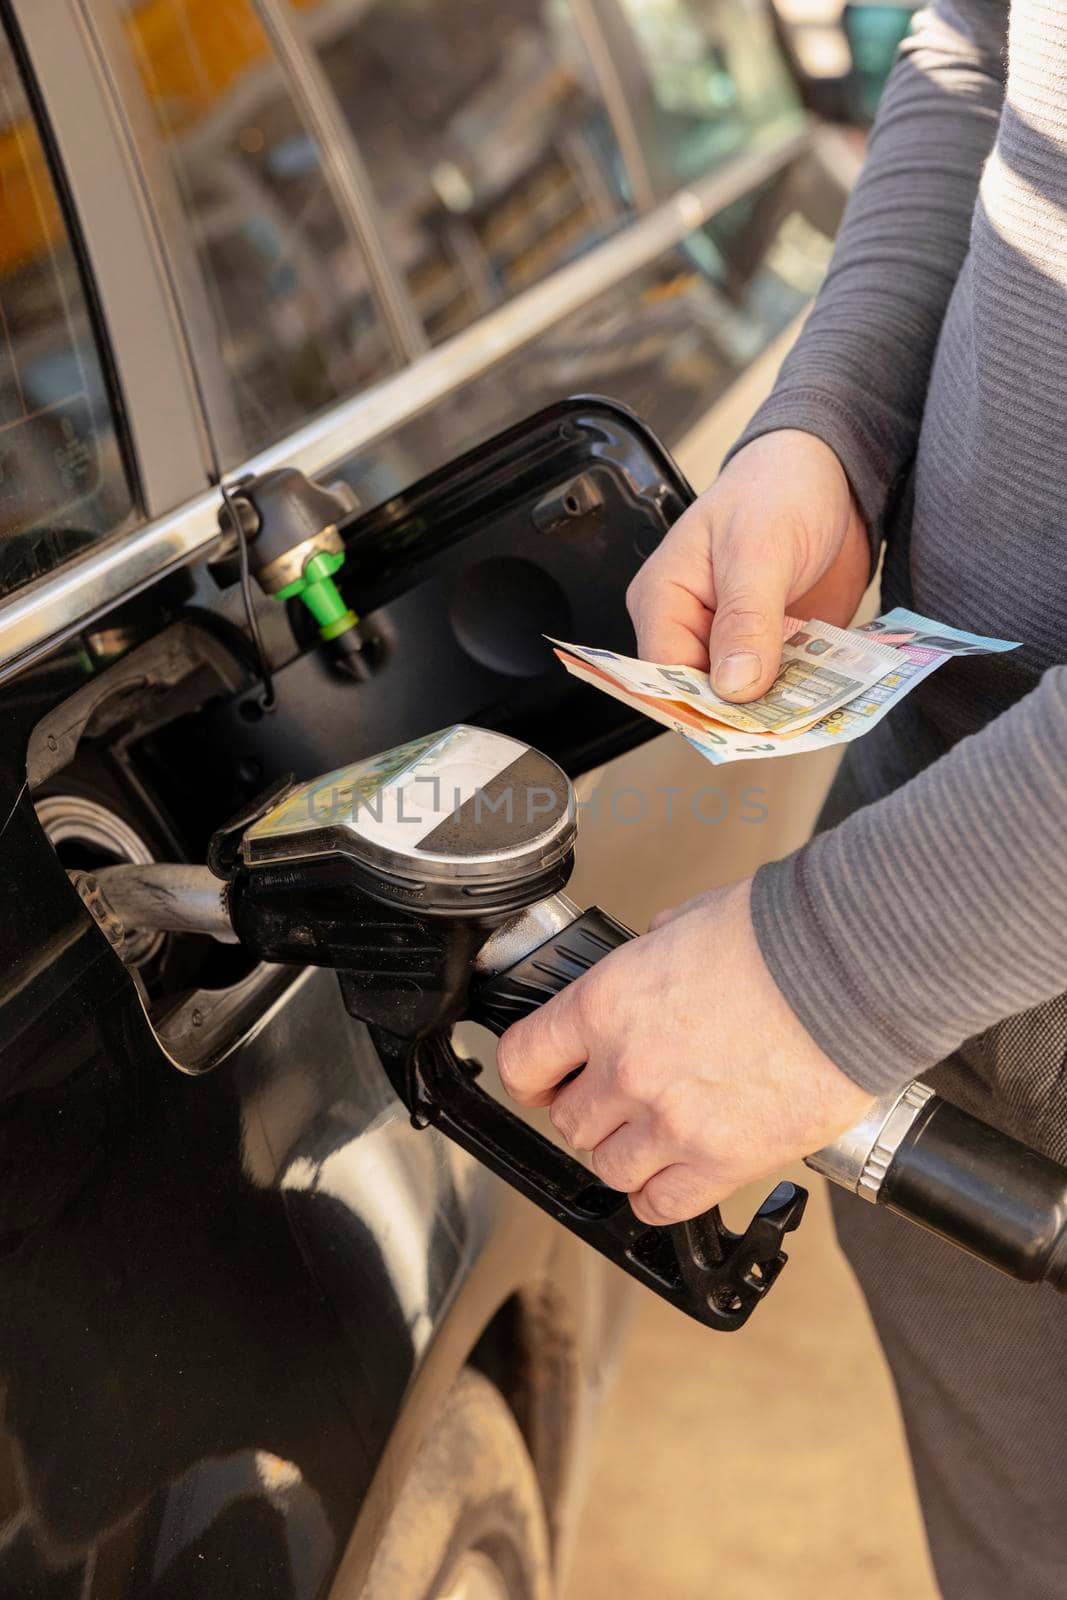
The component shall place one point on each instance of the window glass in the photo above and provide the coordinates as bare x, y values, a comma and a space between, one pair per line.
62, 479
491, 155
297, 321
717, 82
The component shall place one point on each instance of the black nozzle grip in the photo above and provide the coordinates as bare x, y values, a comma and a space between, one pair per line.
982, 1191
701, 1266
498, 1001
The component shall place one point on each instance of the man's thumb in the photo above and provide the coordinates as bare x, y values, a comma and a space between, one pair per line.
745, 648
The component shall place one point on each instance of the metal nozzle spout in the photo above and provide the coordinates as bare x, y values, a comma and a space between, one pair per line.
166, 897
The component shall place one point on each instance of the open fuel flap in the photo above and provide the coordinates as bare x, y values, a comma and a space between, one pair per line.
454, 582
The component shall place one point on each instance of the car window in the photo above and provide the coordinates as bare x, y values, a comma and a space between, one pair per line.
493, 159
297, 322
716, 83
63, 482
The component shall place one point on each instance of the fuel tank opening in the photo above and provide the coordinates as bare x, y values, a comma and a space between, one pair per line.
88, 837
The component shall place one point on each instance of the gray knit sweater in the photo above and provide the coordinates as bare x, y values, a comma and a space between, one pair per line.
935, 364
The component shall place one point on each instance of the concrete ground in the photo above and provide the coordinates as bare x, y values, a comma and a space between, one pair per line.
768, 1464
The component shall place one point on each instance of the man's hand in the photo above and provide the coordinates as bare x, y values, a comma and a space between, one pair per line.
778, 531
697, 1077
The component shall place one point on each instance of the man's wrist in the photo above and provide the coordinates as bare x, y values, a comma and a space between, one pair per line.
815, 981
820, 416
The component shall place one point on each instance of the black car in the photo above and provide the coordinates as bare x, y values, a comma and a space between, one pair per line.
259, 1335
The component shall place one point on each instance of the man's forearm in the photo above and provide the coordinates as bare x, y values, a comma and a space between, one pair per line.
858, 375
929, 916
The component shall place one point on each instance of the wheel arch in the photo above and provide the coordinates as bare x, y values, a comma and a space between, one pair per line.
525, 1331
530, 1350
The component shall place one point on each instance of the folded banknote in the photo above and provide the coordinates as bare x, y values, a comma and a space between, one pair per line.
834, 684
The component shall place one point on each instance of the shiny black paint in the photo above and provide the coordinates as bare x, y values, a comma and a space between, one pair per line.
142, 1274
218, 1290
221, 1297
214, 1292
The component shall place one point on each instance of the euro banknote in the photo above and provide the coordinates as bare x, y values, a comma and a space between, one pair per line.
834, 685
822, 668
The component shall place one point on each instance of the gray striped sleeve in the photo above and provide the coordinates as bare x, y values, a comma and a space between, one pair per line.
930, 915
857, 376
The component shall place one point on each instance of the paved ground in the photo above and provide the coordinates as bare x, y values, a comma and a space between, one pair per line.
762, 1465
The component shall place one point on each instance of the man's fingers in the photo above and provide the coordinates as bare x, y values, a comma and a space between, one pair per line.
751, 585
675, 1194
628, 1158
535, 1055
588, 1110
671, 624
670, 599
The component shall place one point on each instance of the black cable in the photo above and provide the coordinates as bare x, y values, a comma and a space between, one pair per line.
269, 700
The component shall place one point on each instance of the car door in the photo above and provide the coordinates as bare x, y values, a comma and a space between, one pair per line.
166, 1217
211, 1320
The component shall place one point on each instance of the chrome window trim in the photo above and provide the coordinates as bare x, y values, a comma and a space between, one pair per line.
161, 412
57, 606
173, 240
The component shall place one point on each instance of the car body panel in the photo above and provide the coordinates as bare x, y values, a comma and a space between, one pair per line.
233, 1299
217, 1290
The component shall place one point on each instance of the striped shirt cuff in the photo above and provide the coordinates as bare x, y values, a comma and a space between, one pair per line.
927, 917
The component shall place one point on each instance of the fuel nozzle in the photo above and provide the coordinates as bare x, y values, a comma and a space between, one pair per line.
396, 870
427, 876
431, 879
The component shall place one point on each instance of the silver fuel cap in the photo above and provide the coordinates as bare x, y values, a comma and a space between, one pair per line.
464, 812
